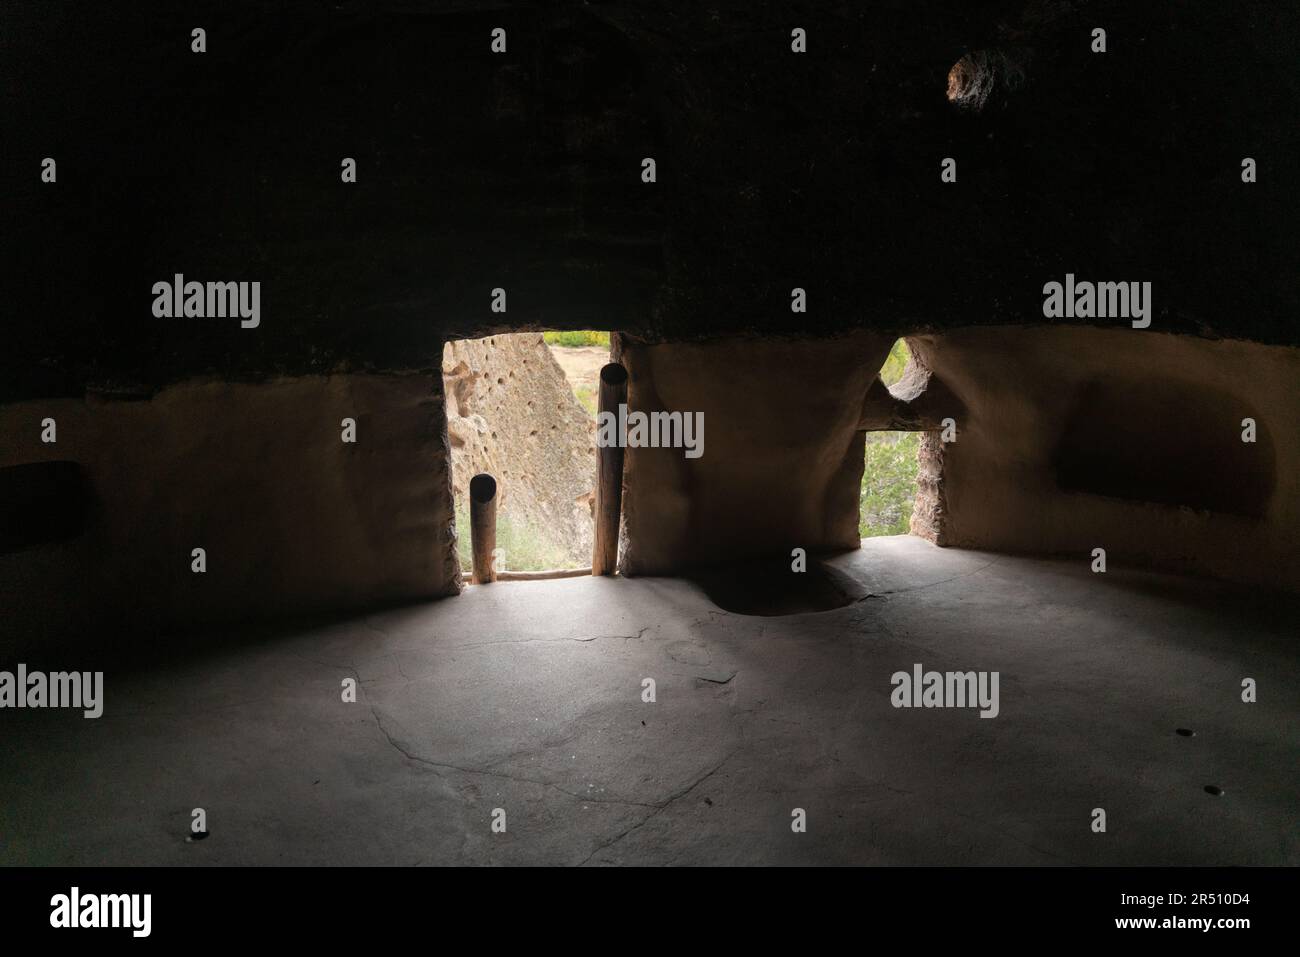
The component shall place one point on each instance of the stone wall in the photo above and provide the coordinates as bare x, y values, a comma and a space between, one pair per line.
292, 519
1067, 440
1074, 439
783, 449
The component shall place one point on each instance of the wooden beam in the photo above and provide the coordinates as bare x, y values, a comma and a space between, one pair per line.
609, 475
483, 526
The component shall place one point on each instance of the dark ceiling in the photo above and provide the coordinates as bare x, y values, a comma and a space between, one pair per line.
522, 171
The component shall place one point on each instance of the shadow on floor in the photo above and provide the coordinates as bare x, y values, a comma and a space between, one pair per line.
770, 589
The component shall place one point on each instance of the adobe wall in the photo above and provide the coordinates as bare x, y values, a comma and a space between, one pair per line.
292, 518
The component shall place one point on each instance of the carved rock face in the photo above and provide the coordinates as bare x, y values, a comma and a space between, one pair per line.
511, 413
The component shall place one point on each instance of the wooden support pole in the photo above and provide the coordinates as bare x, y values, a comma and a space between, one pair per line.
483, 526
609, 475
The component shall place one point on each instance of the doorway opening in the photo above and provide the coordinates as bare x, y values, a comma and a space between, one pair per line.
521, 408
889, 474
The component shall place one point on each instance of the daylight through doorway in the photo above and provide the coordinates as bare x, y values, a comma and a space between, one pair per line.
521, 408
889, 471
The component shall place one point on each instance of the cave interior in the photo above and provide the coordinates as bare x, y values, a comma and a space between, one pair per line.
1107, 511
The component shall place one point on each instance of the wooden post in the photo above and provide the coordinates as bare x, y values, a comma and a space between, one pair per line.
609, 475
483, 526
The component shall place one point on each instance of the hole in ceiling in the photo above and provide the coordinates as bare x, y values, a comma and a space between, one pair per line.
973, 79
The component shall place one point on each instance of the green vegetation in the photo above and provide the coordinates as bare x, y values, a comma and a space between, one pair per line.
570, 340
587, 397
889, 475
462, 538
524, 548
893, 368
888, 483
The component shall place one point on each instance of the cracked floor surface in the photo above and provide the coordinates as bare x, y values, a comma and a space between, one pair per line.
527, 696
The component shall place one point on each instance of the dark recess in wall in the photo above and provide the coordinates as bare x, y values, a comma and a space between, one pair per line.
1168, 442
41, 502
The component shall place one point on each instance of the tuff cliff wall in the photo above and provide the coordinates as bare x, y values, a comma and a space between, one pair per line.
512, 413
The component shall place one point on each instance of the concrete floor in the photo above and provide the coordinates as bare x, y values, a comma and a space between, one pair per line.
527, 697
